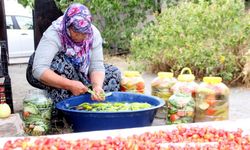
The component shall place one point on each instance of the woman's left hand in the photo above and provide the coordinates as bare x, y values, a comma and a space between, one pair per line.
99, 94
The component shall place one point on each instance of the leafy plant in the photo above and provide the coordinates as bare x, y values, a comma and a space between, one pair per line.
208, 36
116, 19
25, 3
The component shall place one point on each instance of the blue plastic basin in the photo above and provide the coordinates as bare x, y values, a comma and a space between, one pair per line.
90, 121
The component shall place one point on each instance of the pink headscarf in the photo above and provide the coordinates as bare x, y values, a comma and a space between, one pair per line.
78, 16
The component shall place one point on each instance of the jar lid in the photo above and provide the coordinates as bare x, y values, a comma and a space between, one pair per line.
165, 74
212, 80
186, 77
131, 73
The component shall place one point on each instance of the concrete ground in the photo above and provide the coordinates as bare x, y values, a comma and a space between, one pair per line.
239, 97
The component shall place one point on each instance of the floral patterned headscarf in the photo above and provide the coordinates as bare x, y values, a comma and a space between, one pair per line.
77, 16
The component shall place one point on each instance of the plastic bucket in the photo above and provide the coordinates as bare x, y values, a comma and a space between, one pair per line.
89, 121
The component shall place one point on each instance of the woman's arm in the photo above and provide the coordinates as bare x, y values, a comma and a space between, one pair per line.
96, 69
97, 78
50, 78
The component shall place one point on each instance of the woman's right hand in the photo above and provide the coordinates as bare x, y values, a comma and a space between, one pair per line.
77, 88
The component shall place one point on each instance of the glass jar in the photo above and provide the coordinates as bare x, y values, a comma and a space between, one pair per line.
181, 109
36, 115
132, 81
161, 87
185, 83
212, 100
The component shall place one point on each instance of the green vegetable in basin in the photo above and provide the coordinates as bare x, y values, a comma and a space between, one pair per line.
112, 107
103, 95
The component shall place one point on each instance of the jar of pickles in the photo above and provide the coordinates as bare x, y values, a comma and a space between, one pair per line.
36, 115
181, 108
212, 100
132, 81
161, 87
185, 83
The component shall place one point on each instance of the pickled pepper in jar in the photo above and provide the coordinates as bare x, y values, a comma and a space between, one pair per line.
37, 109
185, 83
132, 81
181, 109
161, 87
212, 100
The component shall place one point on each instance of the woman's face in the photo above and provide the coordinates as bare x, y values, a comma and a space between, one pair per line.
76, 36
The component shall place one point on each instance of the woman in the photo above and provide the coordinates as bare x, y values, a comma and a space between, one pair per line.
69, 59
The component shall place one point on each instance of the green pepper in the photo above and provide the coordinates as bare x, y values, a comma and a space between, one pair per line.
172, 110
107, 106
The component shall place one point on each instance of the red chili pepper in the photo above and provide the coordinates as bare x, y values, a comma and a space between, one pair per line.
210, 112
211, 100
174, 117
140, 86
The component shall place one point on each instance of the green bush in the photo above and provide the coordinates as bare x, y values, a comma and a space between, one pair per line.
25, 3
209, 37
116, 19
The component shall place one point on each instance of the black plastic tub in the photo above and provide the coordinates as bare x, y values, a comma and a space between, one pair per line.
89, 121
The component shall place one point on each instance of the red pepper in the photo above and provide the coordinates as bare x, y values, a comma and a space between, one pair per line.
140, 86
123, 89
211, 100
26, 114
210, 112
174, 117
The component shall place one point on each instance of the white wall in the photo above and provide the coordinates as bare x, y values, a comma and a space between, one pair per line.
13, 7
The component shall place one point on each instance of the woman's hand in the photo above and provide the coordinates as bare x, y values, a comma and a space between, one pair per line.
99, 94
77, 88
97, 78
